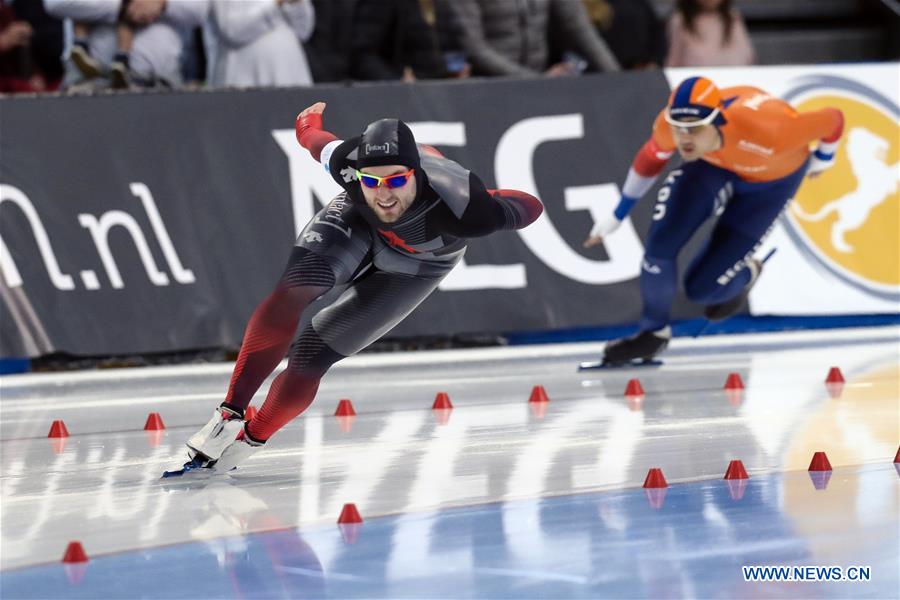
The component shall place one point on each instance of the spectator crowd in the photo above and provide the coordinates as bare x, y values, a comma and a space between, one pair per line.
88, 45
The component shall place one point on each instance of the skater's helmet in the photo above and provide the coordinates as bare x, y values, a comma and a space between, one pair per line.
695, 102
387, 142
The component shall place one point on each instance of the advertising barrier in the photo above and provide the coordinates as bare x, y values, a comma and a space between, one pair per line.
142, 223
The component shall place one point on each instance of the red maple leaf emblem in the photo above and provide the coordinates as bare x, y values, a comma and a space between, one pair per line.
396, 241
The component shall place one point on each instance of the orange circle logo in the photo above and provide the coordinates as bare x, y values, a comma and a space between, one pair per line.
849, 216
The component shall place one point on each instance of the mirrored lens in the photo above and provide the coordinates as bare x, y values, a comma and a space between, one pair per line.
396, 181
369, 182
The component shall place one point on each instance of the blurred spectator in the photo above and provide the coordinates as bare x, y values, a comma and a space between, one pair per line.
258, 42
392, 40
708, 33
511, 37
80, 54
632, 29
30, 46
328, 50
155, 58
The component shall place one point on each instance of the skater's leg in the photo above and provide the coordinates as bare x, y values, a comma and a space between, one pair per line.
686, 200
273, 324
718, 273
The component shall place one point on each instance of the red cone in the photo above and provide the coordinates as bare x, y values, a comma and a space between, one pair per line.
345, 409
75, 553
736, 470
734, 382
250, 413
655, 479
634, 388
897, 457
819, 462
349, 514
834, 376
58, 430
154, 422
538, 394
442, 402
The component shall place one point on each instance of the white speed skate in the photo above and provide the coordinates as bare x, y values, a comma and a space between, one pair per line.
219, 445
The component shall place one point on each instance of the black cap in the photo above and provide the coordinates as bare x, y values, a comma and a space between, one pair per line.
387, 142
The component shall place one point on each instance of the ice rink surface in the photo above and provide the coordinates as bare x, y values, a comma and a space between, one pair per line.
498, 498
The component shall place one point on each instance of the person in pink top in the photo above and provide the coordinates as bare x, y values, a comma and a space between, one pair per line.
708, 33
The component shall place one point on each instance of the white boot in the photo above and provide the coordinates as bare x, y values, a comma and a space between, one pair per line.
237, 452
221, 430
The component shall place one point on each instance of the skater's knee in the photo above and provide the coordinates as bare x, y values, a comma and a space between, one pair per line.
311, 355
700, 286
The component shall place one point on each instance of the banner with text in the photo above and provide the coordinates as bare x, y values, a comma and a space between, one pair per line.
156, 222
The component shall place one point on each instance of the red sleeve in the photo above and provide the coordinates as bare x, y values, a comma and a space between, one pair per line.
650, 159
838, 117
310, 134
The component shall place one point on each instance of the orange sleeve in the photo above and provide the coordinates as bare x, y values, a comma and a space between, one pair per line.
826, 124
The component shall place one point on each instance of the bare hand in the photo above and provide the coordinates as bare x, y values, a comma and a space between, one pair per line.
594, 240
144, 12
316, 109
17, 34
561, 70
601, 230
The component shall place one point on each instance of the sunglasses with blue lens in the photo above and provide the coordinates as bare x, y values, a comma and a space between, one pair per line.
391, 181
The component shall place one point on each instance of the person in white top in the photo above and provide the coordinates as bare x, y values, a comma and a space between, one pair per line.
257, 43
155, 57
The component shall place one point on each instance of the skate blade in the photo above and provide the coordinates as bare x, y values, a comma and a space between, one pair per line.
600, 364
194, 468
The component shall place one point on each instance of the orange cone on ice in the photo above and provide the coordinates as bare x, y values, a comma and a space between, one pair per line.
634, 388
736, 470
655, 479
345, 409
734, 382
349, 515
154, 422
58, 430
819, 462
834, 376
442, 402
538, 394
75, 553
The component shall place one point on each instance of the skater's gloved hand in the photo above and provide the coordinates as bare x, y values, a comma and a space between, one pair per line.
819, 162
309, 118
601, 230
